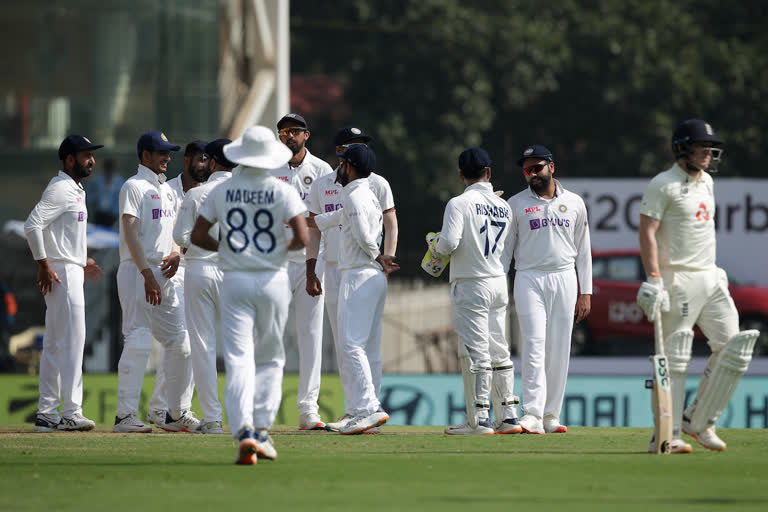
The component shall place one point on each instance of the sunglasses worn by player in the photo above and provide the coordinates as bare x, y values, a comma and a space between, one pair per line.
340, 150
534, 169
293, 130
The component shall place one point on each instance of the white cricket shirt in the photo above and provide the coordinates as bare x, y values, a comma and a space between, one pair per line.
686, 209
362, 222
325, 197
56, 227
301, 179
550, 235
251, 209
148, 197
187, 217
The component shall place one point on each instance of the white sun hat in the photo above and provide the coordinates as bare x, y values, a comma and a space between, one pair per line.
259, 148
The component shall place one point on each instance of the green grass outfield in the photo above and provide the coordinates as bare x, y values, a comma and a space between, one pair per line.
414, 468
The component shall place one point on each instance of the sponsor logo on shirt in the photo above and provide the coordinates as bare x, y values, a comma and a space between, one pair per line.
549, 222
702, 213
307, 180
283, 178
532, 209
331, 192
154, 196
159, 213
332, 207
80, 216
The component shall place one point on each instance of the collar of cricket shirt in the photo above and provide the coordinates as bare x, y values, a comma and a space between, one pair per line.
149, 175
65, 176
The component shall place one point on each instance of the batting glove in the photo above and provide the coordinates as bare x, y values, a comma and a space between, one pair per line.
652, 298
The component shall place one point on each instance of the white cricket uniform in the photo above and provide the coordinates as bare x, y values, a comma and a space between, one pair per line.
147, 197
308, 309
362, 292
56, 230
474, 232
548, 239
325, 199
202, 291
698, 289
157, 401
251, 209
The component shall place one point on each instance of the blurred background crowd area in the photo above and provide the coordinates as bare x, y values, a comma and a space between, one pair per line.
601, 83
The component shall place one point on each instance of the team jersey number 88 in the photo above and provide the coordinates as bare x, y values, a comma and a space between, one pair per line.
238, 237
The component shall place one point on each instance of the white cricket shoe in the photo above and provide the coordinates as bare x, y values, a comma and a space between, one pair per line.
334, 426
360, 424
156, 417
509, 426
531, 424
676, 446
372, 431
265, 449
552, 425
46, 422
483, 427
310, 421
706, 438
246, 450
130, 424
76, 422
187, 422
211, 427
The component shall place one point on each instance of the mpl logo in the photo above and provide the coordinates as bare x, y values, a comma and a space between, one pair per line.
331, 192
532, 209
154, 196
282, 178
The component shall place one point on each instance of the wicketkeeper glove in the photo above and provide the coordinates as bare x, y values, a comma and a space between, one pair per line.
652, 297
433, 263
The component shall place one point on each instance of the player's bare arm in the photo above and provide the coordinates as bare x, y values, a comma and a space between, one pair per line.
390, 231
314, 288
131, 226
583, 306
300, 233
46, 276
648, 249
200, 236
92, 271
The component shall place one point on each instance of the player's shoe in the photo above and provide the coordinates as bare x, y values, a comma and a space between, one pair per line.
360, 424
509, 426
187, 422
246, 451
465, 429
552, 425
311, 421
130, 424
265, 449
676, 446
76, 422
211, 427
706, 438
372, 431
531, 424
156, 417
46, 422
334, 426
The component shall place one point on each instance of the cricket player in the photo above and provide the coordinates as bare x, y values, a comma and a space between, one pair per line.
362, 290
194, 173
152, 306
549, 240
324, 200
56, 233
474, 232
300, 172
677, 243
251, 209
202, 288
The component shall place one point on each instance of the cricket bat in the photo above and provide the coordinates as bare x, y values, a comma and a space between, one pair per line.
661, 398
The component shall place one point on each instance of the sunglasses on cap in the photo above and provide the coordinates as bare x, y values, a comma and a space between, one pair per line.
533, 169
341, 149
292, 130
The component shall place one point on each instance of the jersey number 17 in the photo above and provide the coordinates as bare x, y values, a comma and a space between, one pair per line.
485, 229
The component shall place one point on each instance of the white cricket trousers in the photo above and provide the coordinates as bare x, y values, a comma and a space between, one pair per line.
479, 319
202, 290
309, 337
142, 321
254, 309
362, 293
61, 363
545, 304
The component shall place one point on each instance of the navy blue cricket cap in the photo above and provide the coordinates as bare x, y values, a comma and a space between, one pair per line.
215, 150
361, 156
292, 117
349, 133
473, 159
536, 151
155, 141
74, 144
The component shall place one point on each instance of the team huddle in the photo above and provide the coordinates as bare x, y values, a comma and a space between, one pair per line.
218, 254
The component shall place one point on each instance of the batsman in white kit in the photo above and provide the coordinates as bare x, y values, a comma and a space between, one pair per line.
202, 288
251, 209
56, 233
677, 243
549, 241
151, 304
473, 235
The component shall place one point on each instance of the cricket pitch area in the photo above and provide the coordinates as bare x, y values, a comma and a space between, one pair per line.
403, 468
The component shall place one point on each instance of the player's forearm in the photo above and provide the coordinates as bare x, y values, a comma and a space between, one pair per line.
131, 230
313, 249
36, 242
328, 220
649, 252
390, 233
182, 230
